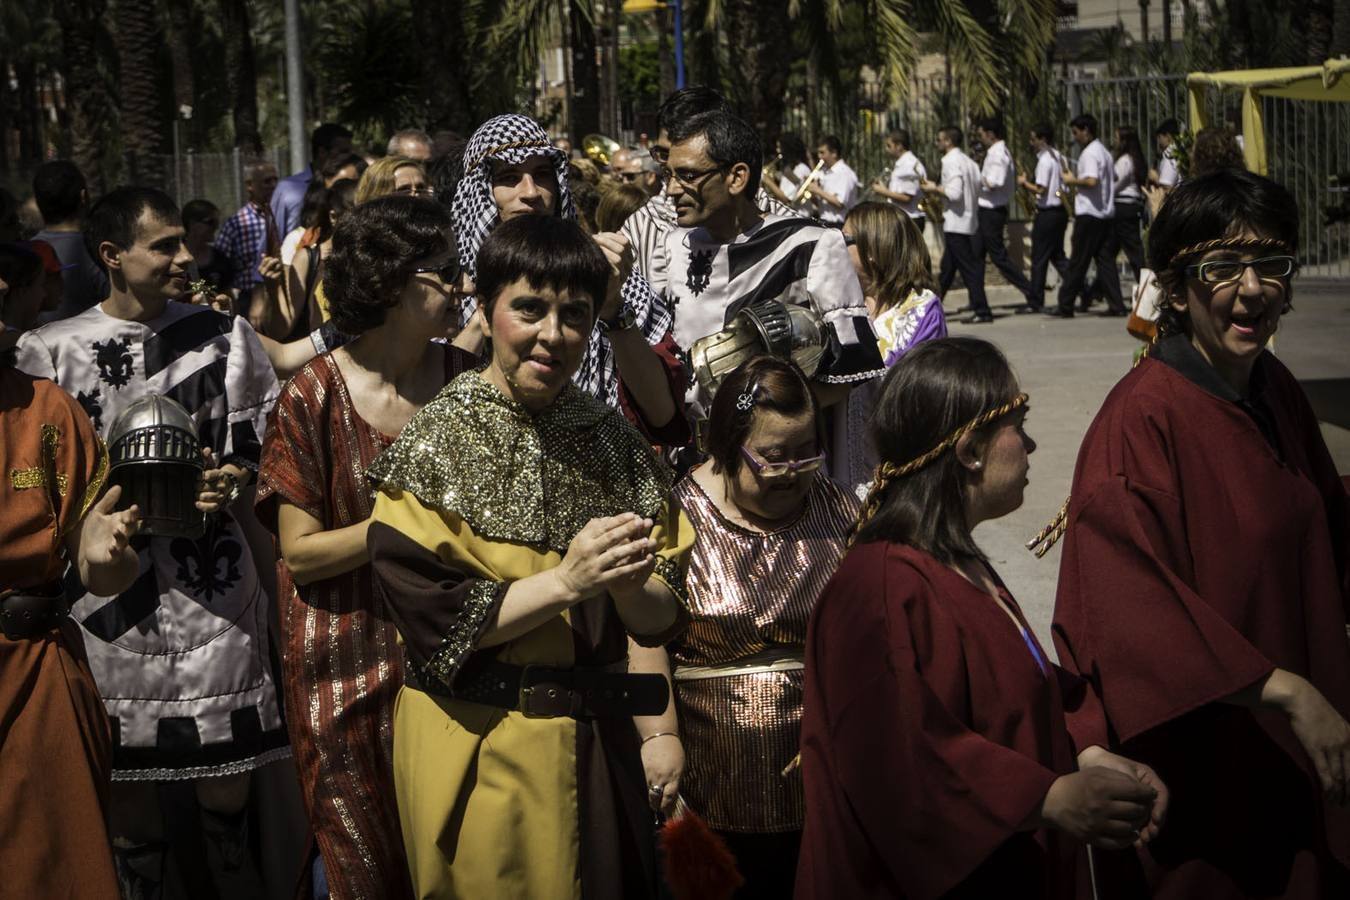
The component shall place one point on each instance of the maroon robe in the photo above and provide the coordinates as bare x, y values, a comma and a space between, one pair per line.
1206, 546
931, 732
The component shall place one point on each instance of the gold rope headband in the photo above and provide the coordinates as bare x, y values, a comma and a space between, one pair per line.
1230, 243
532, 143
888, 471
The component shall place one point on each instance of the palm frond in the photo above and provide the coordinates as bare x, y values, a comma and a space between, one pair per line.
971, 50
523, 25
897, 44
1029, 29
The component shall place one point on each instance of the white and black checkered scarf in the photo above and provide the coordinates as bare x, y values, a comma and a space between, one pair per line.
512, 139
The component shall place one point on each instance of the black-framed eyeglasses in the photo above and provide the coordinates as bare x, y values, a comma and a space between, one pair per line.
447, 272
629, 177
687, 179
415, 190
850, 240
1222, 271
660, 154
766, 469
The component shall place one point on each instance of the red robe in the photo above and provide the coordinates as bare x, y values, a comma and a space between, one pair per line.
1206, 546
930, 733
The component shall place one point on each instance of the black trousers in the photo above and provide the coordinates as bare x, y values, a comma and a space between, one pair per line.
1124, 234
1089, 243
992, 222
963, 254
1047, 249
767, 861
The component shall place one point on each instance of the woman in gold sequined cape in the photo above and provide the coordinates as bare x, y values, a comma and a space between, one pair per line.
477, 493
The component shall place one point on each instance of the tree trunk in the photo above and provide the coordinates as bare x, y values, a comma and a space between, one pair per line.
445, 77
241, 76
585, 78
143, 121
87, 95
6, 114
760, 65
184, 87
31, 144
700, 46
1340, 30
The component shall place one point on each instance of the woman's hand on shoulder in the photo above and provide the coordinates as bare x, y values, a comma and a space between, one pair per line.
608, 554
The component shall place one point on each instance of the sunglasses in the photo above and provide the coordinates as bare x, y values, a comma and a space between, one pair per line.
448, 271
766, 469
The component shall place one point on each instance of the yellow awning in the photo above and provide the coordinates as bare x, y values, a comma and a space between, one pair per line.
1325, 83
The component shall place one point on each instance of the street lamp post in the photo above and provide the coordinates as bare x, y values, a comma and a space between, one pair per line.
677, 8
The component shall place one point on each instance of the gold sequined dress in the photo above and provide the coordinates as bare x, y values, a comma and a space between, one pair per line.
738, 667
476, 493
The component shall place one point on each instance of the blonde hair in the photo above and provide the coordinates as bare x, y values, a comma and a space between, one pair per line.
378, 179
894, 257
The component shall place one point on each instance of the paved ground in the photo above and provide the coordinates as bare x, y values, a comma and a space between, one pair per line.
1068, 367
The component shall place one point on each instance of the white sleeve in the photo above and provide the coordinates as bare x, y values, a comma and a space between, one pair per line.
951, 183
837, 297
995, 173
1167, 169
32, 355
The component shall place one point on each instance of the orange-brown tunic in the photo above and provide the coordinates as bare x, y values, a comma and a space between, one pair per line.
55, 745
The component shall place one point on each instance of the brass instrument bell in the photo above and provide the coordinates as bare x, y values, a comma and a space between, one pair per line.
600, 149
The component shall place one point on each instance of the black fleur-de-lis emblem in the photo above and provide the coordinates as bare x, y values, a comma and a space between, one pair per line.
209, 567
115, 364
92, 407
700, 270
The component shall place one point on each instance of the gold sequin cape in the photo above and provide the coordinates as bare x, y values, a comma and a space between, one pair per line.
477, 493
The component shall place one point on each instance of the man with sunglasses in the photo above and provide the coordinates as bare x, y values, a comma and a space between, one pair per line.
633, 166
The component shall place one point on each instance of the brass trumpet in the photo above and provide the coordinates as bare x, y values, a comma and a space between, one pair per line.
600, 149
806, 183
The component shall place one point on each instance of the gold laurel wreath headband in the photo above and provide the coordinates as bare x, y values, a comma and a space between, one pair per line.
887, 471
534, 143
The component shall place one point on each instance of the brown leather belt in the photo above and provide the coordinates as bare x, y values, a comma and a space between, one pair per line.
549, 692
28, 615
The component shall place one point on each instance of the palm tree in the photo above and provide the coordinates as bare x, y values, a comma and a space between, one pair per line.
139, 37
88, 95
241, 76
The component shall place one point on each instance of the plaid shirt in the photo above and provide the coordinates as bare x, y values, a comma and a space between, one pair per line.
243, 238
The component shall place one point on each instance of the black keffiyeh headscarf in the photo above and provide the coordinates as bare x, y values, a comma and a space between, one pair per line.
511, 139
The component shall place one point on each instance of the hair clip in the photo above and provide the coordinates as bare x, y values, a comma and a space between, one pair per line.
746, 401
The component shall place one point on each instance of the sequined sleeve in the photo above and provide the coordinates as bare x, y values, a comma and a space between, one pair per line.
439, 603
675, 534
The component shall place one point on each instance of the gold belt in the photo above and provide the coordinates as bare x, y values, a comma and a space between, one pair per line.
768, 661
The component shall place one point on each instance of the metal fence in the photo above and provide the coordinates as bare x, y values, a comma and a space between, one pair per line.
1308, 143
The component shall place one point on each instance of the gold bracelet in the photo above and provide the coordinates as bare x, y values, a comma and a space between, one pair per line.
650, 737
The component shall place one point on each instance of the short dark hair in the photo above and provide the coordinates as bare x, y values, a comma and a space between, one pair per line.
993, 124
901, 136
777, 385
199, 211
335, 164
1045, 131
1085, 121
793, 147
832, 143
688, 102
1213, 149
952, 134
731, 140
547, 251
617, 204
374, 247
340, 198
324, 137
58, 188
444, 173
934, 389
20, 266
1221, 204
1169, 127
114, 216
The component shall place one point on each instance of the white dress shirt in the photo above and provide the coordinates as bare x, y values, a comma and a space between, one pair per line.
1168, 175
905, 177
1049, 169
1097, 202
998, 176
1127, 186
961, 187
842, 182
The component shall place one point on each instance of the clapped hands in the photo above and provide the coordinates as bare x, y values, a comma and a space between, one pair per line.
613, 554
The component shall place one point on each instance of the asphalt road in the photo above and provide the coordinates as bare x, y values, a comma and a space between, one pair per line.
1068, 366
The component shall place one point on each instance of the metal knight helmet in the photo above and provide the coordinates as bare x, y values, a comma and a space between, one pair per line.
156, 458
